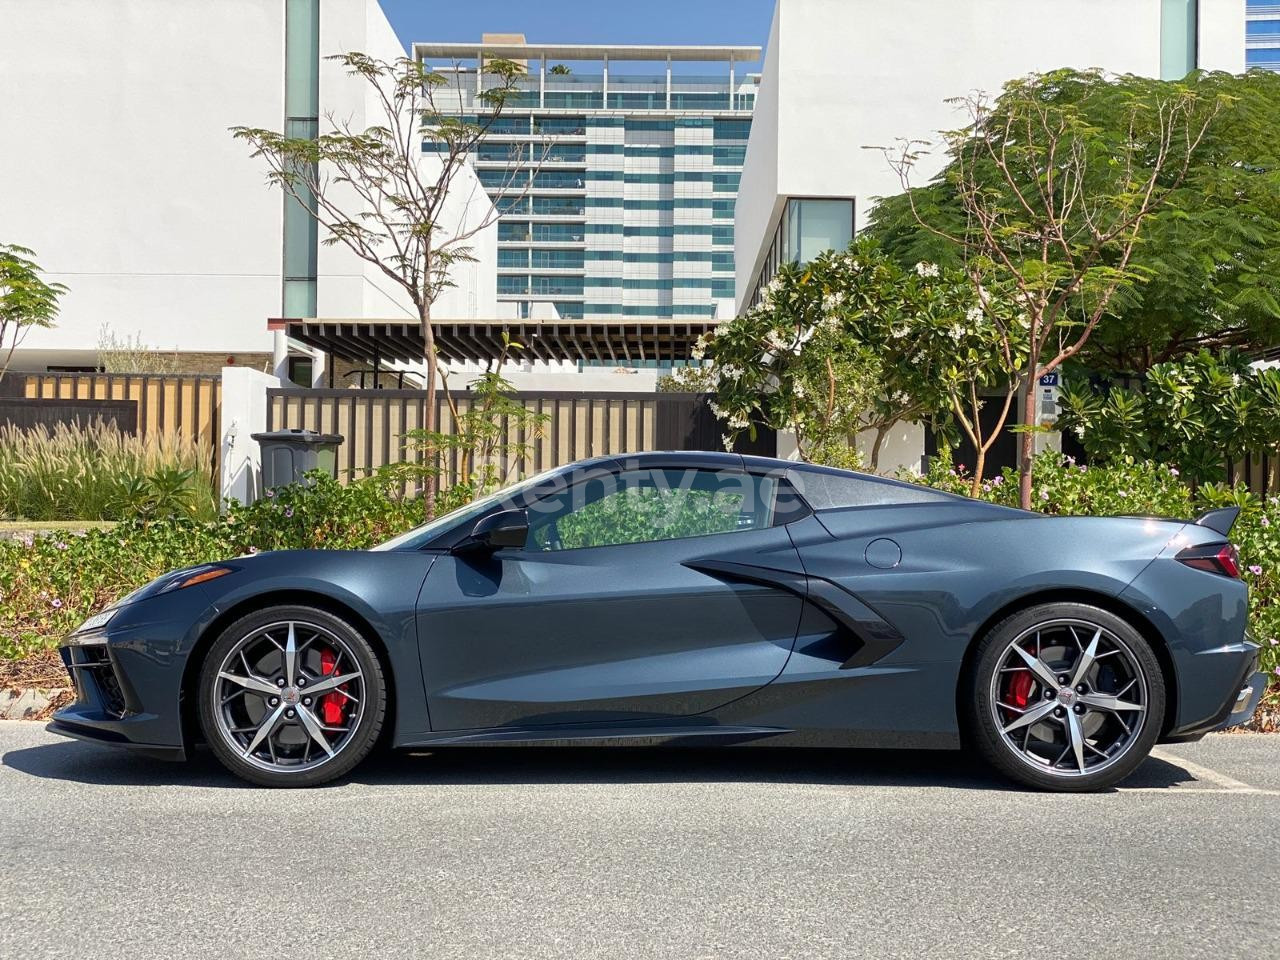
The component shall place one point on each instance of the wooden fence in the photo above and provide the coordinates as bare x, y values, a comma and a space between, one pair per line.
372, 424
186, 404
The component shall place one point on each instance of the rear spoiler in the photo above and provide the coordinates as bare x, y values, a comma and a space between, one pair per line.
1220, 521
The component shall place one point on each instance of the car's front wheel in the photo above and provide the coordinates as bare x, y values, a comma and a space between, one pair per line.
291, 696
1065, 696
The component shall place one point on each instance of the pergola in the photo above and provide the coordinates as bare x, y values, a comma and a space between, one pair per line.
621, 341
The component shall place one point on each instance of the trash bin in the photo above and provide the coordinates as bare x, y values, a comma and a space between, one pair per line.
288, 454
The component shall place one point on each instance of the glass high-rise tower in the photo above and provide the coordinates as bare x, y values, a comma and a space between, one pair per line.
616, 186
1262, 34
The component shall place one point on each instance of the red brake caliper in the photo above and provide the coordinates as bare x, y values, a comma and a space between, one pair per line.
332, 705
1018, 693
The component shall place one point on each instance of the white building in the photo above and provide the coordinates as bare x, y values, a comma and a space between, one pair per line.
841, 75
120, 172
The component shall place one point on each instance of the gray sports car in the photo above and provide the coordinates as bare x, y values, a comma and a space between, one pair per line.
691, 598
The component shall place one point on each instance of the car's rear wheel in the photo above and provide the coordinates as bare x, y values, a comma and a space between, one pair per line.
1065, 696
291, 696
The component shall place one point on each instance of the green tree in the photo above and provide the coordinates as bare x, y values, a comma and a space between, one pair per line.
1208, 257
1049, 192
26, 299
383, 192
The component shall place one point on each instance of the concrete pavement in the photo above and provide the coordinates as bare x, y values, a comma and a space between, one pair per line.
639, 853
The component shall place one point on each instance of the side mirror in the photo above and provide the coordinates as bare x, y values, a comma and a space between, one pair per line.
509, 528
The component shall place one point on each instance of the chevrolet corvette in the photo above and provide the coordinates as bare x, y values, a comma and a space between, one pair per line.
690, 598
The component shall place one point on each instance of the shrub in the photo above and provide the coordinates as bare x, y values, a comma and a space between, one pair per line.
49, 584
96, 472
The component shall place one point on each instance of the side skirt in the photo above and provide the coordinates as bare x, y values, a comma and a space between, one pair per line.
633, 735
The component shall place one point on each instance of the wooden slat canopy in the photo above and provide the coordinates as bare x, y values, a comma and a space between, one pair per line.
620, 341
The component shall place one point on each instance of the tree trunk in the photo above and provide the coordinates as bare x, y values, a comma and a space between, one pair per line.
875, 446
979, 464
1027, 440
431, 486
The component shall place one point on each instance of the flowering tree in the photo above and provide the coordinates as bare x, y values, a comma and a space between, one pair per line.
851, 342
1048, 191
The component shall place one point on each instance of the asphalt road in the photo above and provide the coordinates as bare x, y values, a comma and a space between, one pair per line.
641, 853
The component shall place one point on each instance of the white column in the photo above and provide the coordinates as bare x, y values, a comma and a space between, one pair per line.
319, 360
280, 354
542, 83
479, 72
668, 81
605, 100
733, 88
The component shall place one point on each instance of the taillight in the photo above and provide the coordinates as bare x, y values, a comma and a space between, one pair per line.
1221, 558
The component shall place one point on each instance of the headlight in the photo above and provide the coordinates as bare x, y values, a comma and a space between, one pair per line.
96, 622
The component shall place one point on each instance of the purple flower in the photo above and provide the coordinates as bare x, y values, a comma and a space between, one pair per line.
996, 481
56, 603
1173, 471
288, 511
1275, 642
270, 492
1266, 522
1083, 468
1044, 494
1255, 569
253, 550
60, 545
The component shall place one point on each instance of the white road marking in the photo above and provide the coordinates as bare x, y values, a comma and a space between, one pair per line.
1221, 780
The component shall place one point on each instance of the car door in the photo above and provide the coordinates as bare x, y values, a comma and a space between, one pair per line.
600, 618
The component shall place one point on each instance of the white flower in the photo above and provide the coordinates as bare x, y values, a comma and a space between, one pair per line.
927, 269
1235, 379
727, 441
973, 315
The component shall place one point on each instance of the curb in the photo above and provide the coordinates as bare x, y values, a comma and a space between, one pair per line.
29, 703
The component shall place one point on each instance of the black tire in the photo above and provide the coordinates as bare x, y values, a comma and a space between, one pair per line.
352, 746
979, 715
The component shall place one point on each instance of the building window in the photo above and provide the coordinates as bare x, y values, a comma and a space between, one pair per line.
1179, 26
807, 228
301, 371
817, 225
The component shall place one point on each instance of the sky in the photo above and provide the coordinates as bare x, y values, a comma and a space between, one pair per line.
586, 21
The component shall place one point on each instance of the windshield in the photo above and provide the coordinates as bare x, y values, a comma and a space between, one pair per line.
418, 536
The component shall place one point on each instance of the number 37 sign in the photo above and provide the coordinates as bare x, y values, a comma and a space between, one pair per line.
1047, 404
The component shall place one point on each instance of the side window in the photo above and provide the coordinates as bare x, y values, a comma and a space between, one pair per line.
643, 506
826, 490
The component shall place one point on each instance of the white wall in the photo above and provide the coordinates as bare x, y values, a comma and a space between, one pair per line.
842, 75
126, 182
133, 193
244, 413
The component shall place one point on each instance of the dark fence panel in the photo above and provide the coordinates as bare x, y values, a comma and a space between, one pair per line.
26, 414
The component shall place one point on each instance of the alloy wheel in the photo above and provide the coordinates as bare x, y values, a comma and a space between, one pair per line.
289, 696
1069, 697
